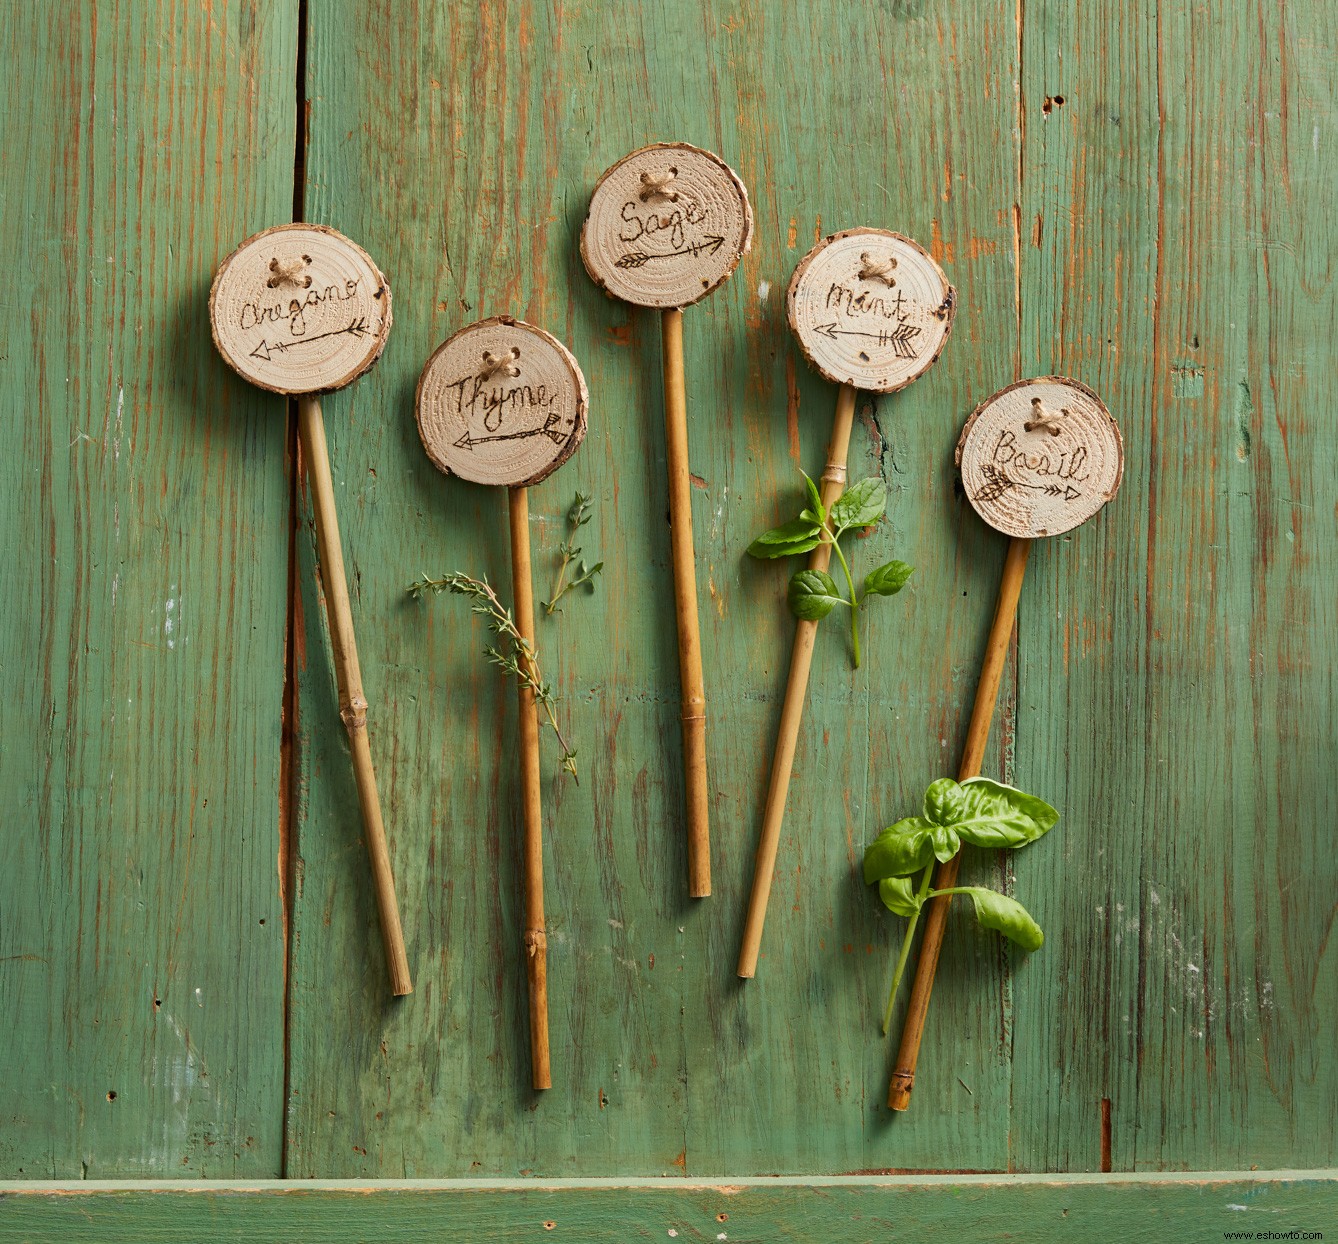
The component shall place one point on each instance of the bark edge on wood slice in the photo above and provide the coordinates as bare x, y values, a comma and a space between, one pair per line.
299, 308
1040, 456
667, 225
870, 308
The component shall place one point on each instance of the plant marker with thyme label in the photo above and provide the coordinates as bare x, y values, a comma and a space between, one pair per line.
300, 310
1037, 459
871, 310
667, 225
504, 403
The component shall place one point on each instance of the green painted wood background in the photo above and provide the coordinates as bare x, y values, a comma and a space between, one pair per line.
1139, 195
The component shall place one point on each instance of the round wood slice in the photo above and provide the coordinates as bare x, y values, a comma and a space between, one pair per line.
870, 308
501, 402
300, 309
1040, 457
667, 224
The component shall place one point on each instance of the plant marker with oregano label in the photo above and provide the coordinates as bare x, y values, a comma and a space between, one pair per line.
871, 311
301, 310
1037, 459
667, 225
504, 403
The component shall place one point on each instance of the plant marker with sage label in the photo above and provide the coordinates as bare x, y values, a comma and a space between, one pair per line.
667, 225
504, 403
1037, 459
871, 310
301, 310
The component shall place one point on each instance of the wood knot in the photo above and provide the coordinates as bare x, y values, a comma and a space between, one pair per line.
834, 471
289, 271
653, 187
1043, 420
903, 1080
872, 269
500, 364
536, 942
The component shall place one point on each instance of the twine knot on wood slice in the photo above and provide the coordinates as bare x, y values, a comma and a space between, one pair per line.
653, 187
1042, 420
289, 270
500, 364
872, 269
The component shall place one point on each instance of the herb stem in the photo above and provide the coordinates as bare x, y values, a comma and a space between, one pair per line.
922, 894
854, 600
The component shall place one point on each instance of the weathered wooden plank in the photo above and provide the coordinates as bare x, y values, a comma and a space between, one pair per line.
142, 597
1177, 672
501, 120
980, 1209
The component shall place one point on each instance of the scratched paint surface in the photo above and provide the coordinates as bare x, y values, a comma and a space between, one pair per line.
1139, 199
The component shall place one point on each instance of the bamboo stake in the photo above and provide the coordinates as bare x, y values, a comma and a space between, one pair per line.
348, 677
535, 939
796, 690
692, 690
945, 875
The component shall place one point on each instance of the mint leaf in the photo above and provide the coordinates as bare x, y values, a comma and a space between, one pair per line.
1007, 916
898, 895
899, 851
860, 505
888, 580
797, 536
814, 496
990, 814
813, 595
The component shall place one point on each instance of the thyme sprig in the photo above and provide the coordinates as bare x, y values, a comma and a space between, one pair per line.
577, 517
514, 654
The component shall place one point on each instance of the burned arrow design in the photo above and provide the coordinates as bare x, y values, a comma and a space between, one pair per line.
639, 259
998, 483
266, 350
550, 429
898, 338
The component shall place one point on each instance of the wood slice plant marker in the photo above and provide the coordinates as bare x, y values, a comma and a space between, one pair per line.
667, 225
1037, 459
301, 310
871, 311
504, 403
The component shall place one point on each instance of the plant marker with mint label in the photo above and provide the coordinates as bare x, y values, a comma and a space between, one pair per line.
871, 310
301, 310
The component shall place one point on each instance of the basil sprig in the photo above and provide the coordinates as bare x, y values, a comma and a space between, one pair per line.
984, 813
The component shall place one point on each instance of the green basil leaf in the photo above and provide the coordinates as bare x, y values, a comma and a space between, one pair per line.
898, 851
860, 504
813, 595
898, 895
993, 815
944, 802
888, 580
814, 496
1007, 916
785, 537
775, 551
946, 842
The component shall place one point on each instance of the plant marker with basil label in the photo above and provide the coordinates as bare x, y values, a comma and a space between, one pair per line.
1037, 459
301, 310
871, 310
667, 225
504, 403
